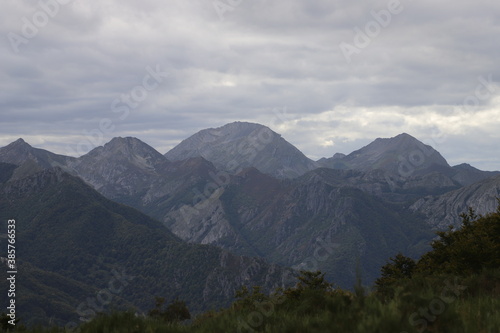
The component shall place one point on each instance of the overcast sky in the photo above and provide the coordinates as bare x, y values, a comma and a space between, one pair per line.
330, 76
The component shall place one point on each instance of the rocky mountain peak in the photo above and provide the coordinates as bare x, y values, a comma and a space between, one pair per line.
402, 154
404, 136
337, 156
196, 144
239, 145
20, 152
398, 143
19, 142
464, 166
18, 146
128, 149
130, 144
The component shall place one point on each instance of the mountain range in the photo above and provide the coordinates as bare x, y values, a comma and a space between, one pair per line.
241, 191
236, 146
72, 242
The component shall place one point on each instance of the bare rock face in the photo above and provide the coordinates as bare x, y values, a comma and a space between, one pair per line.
407, 165
296, 222
442, 211
19, 152
203, 223
401, 155
240, 145
123, 166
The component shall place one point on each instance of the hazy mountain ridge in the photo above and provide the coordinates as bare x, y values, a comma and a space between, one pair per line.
406, 160
18, 152
388, 154
466, 174
251, 212
236, 146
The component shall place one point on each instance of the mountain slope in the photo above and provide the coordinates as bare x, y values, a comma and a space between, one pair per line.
444, 210
294, 222
123, 166
19, 151
67, 229
465, 174
31, 159
6, 171
255, 214
236, 146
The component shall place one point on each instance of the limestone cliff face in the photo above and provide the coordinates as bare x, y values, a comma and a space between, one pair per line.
240, 145
442, 211
123, 166
384, 184
293, 222
203, 223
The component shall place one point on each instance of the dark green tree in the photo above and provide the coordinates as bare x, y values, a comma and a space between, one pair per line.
470, 249
313, 281
245, 298
309, 281
175, 312
398, 268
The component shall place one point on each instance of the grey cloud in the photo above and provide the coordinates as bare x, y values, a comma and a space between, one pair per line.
264, 54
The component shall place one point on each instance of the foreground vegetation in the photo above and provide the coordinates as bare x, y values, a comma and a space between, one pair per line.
453, 288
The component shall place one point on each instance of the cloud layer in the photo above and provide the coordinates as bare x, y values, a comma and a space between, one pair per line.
330, 76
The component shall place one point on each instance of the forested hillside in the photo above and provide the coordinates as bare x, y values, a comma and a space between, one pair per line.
455, 287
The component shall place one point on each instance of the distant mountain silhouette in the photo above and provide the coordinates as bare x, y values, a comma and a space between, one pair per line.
239, 145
